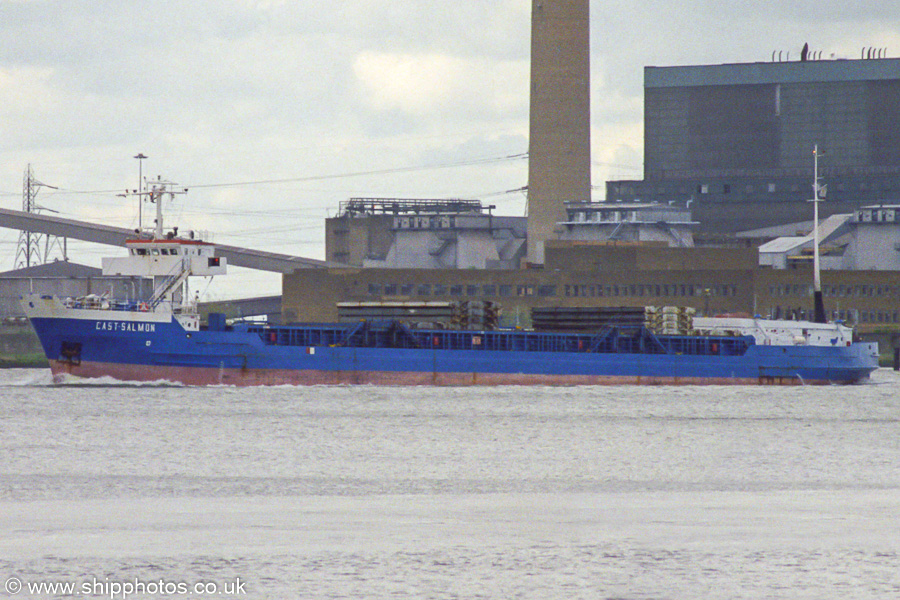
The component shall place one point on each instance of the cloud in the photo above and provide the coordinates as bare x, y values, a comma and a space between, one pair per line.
417, 84
25, 89
432, 84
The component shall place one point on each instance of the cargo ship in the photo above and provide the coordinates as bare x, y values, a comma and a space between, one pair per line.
161, 338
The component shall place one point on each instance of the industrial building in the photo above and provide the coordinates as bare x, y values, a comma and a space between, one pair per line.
392, 233
728, 148
423, 234
735, 141
867, 239
629, 222
711, 280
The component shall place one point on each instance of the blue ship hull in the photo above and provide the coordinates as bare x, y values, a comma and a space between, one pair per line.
388, 353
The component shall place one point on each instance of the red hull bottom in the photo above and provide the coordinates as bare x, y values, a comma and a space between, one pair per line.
252, 377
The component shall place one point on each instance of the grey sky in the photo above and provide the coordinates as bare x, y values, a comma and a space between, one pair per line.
249, 90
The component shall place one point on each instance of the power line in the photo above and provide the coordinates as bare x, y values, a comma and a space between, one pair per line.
60, 191
505, 192
64, 191
481, 161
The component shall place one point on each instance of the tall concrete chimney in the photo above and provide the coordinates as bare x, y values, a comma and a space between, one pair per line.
559, 147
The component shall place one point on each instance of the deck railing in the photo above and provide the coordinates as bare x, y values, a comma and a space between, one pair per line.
366, 334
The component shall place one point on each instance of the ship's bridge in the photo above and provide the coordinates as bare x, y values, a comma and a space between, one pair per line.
166, 257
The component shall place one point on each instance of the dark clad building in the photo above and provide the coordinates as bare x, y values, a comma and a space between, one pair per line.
736, 140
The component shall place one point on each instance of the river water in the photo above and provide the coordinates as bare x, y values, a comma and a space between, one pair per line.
364, 492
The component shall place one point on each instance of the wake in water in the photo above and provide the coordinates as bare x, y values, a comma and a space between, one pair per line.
44, 378
66, 380
25, 377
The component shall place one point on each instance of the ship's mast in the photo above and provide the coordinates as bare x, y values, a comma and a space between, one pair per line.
819, 303
158, 190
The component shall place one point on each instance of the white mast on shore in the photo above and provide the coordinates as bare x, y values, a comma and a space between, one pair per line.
818, 193
817, 276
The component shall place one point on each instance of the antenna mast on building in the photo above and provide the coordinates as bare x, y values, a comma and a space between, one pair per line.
35, 248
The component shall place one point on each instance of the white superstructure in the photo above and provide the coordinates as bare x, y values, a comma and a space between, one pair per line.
777, 333
169, 262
